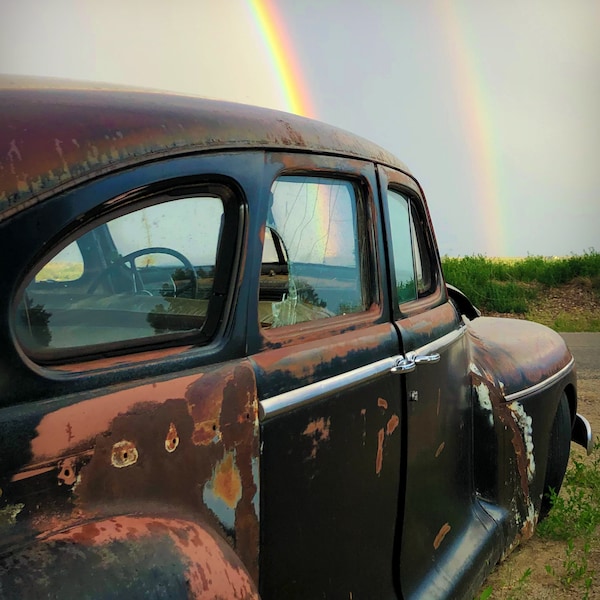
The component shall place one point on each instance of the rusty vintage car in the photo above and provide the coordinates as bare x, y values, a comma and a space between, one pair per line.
230, 365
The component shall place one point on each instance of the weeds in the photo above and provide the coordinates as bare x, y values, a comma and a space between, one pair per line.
517, 589
575, 516
575, 569
513, 285
576, 511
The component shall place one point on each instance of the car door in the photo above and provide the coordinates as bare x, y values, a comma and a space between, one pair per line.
445, 532
330, 406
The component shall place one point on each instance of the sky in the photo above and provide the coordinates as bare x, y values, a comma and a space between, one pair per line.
493, 104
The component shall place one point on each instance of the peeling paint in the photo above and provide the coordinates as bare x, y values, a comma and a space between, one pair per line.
442, 533
392, 424
382, 403
524, 422
440, 449
379, 458
223, 492
256, 479
318, 431
475, 369
483, 396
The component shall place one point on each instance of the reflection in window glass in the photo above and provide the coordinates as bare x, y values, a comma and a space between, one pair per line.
400, 225
312, 233
67, 265
144, 274
198, 226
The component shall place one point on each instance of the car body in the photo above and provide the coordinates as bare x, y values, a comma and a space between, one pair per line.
230, 364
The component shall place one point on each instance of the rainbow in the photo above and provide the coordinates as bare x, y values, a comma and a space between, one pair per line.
282, 56
480, 141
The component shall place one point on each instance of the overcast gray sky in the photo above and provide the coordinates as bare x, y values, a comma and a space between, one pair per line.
493, 104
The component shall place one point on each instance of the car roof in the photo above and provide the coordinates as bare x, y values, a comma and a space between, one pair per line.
56, 133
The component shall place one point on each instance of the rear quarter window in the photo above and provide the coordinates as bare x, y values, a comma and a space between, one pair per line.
137, 279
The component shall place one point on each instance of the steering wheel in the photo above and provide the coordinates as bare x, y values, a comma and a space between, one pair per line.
137, 281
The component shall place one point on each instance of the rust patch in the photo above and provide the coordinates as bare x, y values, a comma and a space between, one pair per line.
440, 449
442, 533
67, 474
392, 424
172, 439
185, 436
89, 418
212, 568
379, 459
124, 454
205, 407
318, 431
390, 427
227, 482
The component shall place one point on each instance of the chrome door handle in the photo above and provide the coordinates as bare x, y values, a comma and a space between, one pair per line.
408, 363
422, 359
404, 365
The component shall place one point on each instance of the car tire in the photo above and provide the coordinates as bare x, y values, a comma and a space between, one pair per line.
558, 453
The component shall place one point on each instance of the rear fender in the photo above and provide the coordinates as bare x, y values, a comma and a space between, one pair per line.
127, 557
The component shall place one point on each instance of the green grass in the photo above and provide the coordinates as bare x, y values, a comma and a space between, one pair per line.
575, 519
515, 285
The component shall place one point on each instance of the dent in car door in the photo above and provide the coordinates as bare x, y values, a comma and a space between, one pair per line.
445, 533
330, 407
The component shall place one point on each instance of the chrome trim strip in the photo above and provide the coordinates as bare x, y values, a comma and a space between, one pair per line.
271, 407
542, 385
313, 392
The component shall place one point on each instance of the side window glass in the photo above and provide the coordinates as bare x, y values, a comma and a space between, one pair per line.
402, 244
142, 275
410, 249
311, 255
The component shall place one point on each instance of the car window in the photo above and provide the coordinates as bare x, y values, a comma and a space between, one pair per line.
410, 249
139, 276
311, 255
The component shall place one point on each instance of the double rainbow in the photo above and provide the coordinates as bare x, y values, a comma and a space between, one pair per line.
480, 141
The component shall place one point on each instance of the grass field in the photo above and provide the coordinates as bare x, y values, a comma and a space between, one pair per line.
563, 293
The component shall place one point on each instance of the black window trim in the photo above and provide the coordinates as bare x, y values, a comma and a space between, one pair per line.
435, 295
226, 268
366, 243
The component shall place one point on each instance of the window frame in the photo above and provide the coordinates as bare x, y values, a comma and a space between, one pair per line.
361, 175
406, 186
228, 256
